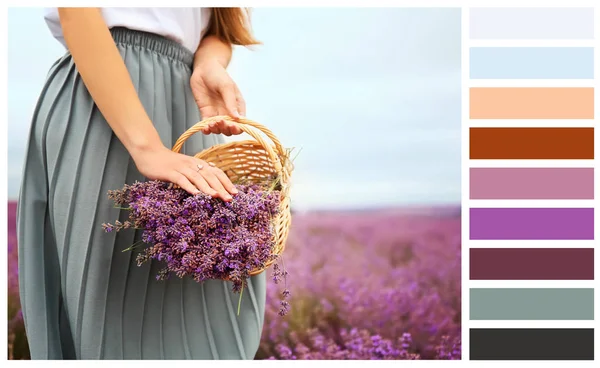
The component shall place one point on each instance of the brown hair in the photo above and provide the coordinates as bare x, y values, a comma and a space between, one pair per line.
232, 25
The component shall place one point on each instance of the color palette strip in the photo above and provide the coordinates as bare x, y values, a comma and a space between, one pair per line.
531, 23
531, 143
531, 223
531, 344
516, 88
531, 304
531, 183
531, 264
532, 103
532, 63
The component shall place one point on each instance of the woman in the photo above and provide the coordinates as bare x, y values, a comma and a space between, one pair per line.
132, 81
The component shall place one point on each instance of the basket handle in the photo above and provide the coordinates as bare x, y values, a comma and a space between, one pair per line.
248, 126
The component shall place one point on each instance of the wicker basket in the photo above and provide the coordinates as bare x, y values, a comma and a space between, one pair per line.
255, 161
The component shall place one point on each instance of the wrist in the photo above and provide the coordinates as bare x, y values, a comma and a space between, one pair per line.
213, 50
140, 145
208, 63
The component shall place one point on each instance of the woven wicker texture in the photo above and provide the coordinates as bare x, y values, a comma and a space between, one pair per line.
259, 160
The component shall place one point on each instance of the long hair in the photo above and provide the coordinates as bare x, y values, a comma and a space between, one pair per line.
232, 25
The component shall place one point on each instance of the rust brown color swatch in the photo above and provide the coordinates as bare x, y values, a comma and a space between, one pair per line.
531, 264
531, 143
532, 103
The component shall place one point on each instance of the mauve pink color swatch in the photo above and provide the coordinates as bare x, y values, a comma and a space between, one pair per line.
531, 183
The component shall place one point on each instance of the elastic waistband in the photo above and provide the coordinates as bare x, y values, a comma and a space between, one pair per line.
153, 42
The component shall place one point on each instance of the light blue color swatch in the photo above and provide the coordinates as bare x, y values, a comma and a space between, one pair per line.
532, 63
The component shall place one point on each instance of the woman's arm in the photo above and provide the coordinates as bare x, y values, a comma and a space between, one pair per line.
214, 90
104, 74
107, 79
212, 49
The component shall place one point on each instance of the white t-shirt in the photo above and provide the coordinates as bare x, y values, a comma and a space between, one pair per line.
183, 25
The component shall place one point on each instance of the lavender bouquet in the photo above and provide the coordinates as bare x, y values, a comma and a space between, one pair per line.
203, 237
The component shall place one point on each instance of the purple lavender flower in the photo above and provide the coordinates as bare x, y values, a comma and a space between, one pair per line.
200, 236
380, 285
368, 286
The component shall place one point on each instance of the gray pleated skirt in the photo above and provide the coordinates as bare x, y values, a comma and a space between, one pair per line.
82, 297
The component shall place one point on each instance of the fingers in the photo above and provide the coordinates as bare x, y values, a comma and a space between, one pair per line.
241, 103
208, 112
199, 181
224, 127
229, 94
227, 128
183, 182
234, 129
227, 184
214, 182
232, 103
218, 127
212, 177
194, 175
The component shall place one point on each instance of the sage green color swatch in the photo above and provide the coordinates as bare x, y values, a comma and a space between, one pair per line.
531, 304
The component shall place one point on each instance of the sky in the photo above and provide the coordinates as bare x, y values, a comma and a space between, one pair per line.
369, 96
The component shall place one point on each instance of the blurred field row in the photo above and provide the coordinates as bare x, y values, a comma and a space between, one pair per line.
365, 285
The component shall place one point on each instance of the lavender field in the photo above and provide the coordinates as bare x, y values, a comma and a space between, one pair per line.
365, 285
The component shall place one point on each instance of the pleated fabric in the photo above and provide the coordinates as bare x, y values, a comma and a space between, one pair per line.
82, 297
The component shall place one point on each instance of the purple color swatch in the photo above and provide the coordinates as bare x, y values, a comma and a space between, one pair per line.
532, 223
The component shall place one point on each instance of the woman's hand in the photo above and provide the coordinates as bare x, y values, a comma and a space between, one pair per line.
191, 174
217, 94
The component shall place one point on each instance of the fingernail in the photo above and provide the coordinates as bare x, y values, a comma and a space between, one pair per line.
228, 197
235, 191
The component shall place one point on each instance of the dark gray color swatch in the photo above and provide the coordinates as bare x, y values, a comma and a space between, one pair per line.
531, 344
